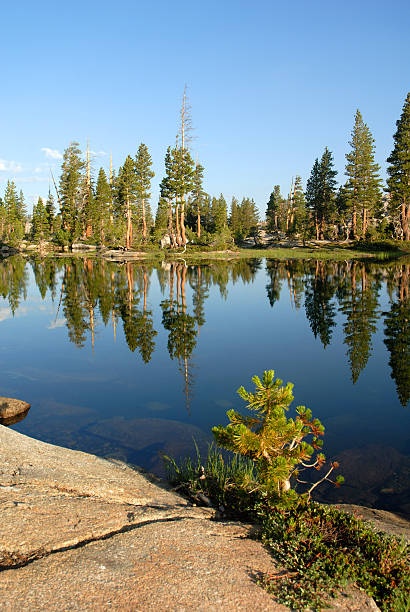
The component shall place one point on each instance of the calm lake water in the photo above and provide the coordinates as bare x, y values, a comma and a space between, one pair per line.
132, 359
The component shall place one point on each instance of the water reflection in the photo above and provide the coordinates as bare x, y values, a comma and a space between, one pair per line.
150, 335
396, 330
120, 292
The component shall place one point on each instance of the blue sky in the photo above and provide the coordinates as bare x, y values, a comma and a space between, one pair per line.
270, 85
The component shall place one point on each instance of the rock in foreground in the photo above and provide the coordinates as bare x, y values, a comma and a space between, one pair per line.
12, 410
81, 533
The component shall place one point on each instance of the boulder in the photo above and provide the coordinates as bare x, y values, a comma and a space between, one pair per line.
80, 246
12, 410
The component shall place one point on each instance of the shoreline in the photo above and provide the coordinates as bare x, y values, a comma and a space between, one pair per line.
393, 522
315, 250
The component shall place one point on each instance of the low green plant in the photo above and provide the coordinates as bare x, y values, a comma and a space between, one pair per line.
323, 548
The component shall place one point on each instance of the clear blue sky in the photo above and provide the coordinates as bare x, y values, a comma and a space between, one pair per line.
270, 85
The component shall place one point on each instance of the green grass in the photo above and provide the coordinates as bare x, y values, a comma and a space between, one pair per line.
321, 547
228, 481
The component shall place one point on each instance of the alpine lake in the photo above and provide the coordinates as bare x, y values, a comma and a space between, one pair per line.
132, 360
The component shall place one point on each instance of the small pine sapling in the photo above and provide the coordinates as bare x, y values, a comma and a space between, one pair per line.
274, 442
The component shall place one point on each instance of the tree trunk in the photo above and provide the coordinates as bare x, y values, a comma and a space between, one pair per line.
405, 219
170, 225
177, 223
182, 221
144, 223
364, 223
198, 222
129, 226
287, 215
354, 224
322, 228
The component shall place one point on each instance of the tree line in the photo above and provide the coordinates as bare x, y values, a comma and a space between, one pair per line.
115, 209
358, 208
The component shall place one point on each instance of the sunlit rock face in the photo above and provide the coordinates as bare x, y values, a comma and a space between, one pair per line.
12, 410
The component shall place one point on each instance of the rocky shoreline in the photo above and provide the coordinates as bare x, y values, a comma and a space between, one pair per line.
79, 532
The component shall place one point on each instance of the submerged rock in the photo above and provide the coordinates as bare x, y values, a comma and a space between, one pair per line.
12, 410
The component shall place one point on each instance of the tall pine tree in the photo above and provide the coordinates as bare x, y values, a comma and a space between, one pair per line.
127, 196
144, 174
71, 183
102, 204
399, 171
363, 183
274, 209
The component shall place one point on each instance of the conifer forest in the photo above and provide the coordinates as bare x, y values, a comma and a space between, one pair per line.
113, 208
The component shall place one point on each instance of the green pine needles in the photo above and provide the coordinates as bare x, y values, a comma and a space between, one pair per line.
275, 443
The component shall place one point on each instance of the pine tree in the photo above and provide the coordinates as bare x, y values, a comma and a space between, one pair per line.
185, 171
363, 184
399, 171
198, 195
219, 213
206, 216
343, 208
274, 208
248, 216
328, 189
313, 195
71, 192
15, 213
299, 224
89, 212
3, 220
144, 174
161, 217
272, 441
167, 193
127, 196
321, 192
102, 201
40, 227
50, 211
171, 188
234, 221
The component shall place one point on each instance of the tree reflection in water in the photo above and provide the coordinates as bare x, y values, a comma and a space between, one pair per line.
91, 292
